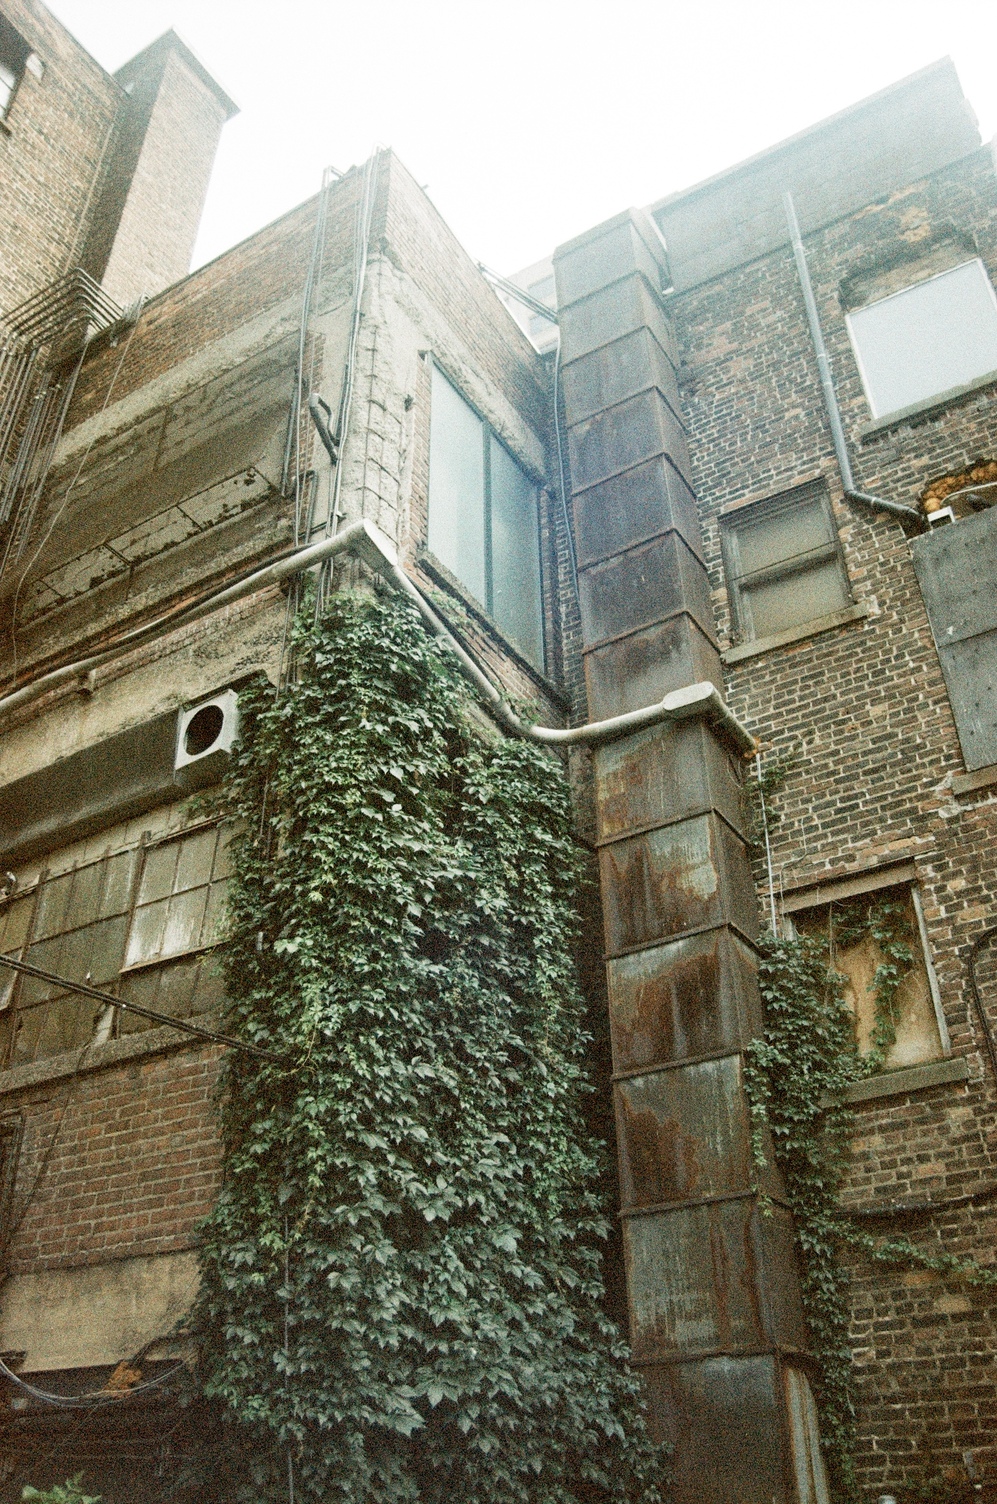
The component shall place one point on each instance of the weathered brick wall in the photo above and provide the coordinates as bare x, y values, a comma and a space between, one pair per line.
120, 1162
864, 710
52, 149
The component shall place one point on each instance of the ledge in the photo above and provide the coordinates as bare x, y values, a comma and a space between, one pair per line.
97, 1058
910, 1078
966, 783
797, 634
926, 408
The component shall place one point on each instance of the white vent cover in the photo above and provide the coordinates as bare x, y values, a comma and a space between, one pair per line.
206, 735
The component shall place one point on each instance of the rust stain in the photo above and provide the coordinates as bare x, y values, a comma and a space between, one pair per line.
662, 1162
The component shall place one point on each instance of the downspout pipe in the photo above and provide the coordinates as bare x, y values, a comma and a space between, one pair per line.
365, 541
897, 508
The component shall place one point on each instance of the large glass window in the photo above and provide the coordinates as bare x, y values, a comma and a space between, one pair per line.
483, 518
927, 340
141, 924
13, 55
783, 563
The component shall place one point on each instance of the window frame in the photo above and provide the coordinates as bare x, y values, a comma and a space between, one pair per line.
743, 630
489, 434
104, 1027
868, 885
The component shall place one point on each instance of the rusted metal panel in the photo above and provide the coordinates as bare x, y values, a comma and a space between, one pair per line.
662, 774
616, 249
629, 508
621, 436
692, 875
714, 1276
723, 1417
643, 586
683, 1133
641, 669
956, 567
611, 312
618, 371
696, 996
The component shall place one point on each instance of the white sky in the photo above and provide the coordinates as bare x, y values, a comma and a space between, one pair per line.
531, 120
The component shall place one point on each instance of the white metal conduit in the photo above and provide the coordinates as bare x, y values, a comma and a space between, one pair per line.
364, 541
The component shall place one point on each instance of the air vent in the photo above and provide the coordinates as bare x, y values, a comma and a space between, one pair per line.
206, 735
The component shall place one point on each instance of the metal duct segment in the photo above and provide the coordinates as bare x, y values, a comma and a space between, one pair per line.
712, 1286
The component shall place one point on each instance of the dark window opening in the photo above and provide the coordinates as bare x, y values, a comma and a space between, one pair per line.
14, 53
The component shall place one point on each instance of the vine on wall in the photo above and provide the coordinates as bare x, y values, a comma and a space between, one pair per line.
402, 1288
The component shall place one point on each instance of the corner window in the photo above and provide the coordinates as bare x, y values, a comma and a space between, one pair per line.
876, 942
783, 563
483, 518
14, 52
927, 340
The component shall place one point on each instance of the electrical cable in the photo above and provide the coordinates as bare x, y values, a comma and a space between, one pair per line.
93, 1399
85, 990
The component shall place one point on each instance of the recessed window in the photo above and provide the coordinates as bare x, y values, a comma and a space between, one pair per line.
783, 563
14, 52
873, 939
927, 340
483, 518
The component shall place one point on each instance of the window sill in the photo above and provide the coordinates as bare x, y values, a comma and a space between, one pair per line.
99, 1057
442, 576
967, 783
926, 408
909, 1078
796, 634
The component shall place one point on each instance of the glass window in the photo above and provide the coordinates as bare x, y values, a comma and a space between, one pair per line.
927, 340
13, 55
483, 518
847, 930
783, 563
140, 924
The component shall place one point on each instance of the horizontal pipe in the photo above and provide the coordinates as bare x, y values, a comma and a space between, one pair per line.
882, 505
366, 542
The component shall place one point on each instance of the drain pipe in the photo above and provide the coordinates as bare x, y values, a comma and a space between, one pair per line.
827, 381
364, 541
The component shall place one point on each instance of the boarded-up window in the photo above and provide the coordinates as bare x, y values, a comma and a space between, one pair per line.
855, 953
956, 568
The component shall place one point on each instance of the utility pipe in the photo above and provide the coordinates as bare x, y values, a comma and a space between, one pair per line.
897, 508
366, 542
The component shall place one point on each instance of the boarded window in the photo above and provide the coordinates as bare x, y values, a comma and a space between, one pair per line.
783, 563
483, 518
914, 1009
927, 340
956, 567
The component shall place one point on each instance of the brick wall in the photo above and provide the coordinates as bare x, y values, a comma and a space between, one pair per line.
864, 710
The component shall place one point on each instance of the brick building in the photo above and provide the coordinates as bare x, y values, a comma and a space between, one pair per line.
723, 530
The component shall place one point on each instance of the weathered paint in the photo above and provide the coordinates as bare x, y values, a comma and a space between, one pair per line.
647, 779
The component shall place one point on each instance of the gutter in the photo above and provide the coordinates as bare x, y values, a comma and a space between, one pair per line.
878, 503
365, 541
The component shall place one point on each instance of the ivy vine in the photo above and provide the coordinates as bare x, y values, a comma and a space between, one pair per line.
401, 1293
796, 1078
884, 918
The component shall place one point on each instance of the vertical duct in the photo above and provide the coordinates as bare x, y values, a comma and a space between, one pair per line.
712, 1286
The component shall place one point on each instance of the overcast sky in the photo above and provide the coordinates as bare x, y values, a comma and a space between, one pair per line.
529, 120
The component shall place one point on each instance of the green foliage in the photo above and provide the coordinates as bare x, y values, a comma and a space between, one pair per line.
70, 1492
761, 789
795, 1078
402, 1289
885, 919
